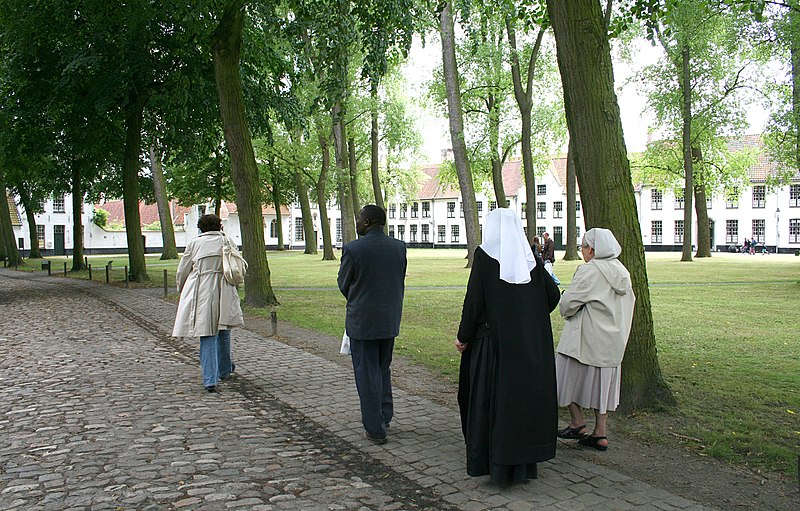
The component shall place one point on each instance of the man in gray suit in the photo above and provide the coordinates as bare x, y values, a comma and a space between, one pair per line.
372, 279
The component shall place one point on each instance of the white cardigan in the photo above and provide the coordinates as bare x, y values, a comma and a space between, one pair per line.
208, 303
598, 309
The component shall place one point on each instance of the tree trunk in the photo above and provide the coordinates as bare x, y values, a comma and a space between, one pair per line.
703, 226
276, 195
496, 152
27, 203
571, 247
226, 44
77, 219
343, 175
456, 116
169, 250
8, 245
131, 163
603, 173
305, 208
353, 166
322, 200
795, 55
374, 140
688, 164
523, 97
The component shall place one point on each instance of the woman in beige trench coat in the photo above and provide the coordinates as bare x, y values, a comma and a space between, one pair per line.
209, 307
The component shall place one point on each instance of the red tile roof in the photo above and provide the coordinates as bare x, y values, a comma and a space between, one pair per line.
148, 213
12, 207
431, 188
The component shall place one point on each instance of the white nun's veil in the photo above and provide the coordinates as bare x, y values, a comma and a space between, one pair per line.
505, 242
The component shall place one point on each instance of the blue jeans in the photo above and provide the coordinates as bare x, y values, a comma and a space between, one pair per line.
215, 357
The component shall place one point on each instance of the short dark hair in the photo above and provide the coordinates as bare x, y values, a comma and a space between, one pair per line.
375, 214
209, 223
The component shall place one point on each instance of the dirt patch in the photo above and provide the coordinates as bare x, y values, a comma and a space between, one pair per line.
668, 466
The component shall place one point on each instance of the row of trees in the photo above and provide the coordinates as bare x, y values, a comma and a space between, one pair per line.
244, 100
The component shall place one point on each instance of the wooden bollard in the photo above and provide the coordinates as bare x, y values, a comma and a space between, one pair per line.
165, 284
273, 320
107, 276
126, 276
65, 268
90, 271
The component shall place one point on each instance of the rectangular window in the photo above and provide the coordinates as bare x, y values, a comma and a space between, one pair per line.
391, 231
425, 232
426, 210
541, 189
454, 234
201, 210
578, 234
709, 201
656, 231
524, 211
403, 210
58, 204
40, 235
298, 228
759, 196
558, 209
656, 198
794, 196
678, 231
794, 230
480, 209
492, 205
401, 232
731, 231
541, 210
338, 230
273, 228
442, 234
414, 209
679, 198
577, 208
413, 233
758, 230
461, 209
732, 199
451, 210
540, 230
392, 211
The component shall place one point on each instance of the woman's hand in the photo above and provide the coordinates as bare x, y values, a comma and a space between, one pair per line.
460, 346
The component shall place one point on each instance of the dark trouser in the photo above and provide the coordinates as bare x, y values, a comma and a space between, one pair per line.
371, 361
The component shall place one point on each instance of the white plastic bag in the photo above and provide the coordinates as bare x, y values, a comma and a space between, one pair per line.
549, 267
345, 350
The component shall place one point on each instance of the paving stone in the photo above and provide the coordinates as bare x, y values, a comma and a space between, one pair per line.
138, 431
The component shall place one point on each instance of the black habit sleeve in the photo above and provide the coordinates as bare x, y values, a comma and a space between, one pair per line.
474, 310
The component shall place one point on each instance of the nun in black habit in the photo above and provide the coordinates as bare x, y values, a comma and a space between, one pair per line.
507, 384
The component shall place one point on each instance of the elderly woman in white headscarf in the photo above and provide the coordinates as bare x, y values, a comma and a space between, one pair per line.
507, 393
598, 310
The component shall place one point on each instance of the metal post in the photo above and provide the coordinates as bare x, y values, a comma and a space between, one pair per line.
273, 319
85, 261
90, 271
49, 267
126, 275
107, 268
65, 268
165, 283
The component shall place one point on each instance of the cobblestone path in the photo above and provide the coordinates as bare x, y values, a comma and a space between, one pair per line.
101, 409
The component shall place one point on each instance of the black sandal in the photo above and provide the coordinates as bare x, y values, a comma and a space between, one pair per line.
593, 442
572, 433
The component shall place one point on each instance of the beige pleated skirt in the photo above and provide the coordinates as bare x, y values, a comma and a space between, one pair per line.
587, 386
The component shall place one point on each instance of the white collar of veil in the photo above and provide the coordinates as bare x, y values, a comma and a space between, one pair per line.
505, 242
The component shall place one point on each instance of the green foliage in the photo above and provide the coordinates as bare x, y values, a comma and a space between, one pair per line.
100, 217
155, 226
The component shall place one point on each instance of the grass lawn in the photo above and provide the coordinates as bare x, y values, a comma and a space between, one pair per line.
726, 332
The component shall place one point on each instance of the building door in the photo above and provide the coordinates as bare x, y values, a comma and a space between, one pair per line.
711, 233
58, 240
558, 238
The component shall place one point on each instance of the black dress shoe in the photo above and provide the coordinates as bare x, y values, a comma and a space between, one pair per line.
376, 440
211, 389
